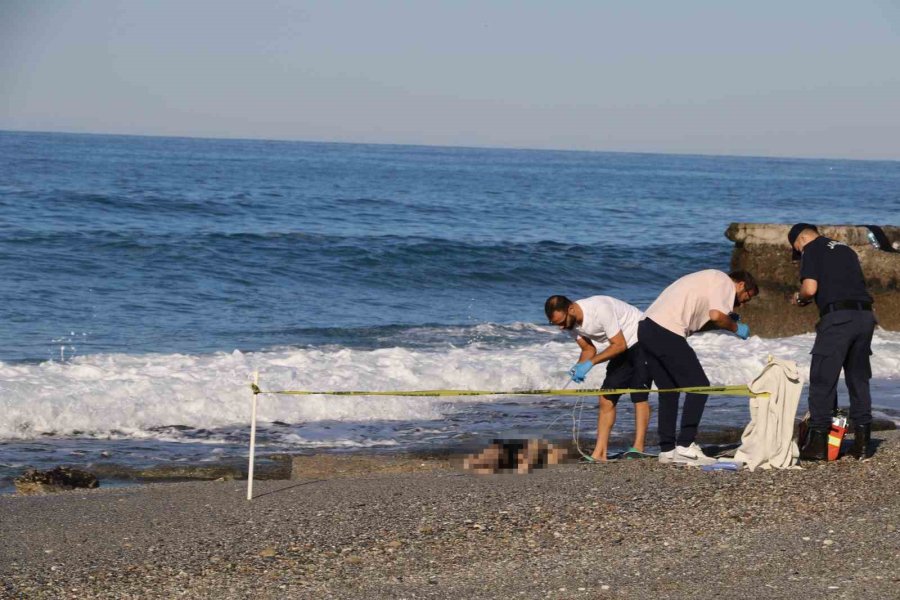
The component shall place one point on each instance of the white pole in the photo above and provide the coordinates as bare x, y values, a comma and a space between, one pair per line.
252, 437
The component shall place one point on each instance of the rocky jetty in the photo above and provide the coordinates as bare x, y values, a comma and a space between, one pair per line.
762, 249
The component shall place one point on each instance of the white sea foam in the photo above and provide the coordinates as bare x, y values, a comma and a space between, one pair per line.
123, 395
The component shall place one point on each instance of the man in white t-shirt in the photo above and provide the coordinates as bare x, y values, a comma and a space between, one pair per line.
682, 309
613, 325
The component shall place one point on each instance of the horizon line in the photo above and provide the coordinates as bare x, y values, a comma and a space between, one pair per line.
461, 147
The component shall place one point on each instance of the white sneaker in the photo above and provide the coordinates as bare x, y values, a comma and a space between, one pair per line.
666, 457
691, 455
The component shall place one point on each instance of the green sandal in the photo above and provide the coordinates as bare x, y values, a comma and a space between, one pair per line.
590, 460
634, 453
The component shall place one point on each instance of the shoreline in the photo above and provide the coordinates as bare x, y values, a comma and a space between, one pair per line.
277, 465
625, 529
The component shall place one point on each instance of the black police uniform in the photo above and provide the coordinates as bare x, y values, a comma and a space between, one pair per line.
843, 333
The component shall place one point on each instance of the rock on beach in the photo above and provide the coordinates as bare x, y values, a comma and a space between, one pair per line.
38, 483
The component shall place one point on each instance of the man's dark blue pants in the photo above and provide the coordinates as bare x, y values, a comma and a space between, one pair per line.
843, 341
673, 363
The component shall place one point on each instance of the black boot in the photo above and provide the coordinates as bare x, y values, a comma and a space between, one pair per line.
816, 447
861, 436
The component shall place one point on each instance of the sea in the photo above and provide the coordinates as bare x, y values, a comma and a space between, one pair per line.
144, 280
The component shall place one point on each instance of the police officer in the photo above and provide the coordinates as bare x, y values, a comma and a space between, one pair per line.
830, 275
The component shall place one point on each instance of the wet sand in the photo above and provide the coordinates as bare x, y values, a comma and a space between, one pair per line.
428, 530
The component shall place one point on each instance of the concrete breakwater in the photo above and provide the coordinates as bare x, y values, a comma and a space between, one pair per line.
762, 249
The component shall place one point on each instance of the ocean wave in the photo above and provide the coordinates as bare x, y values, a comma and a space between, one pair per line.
135, 396
366, 263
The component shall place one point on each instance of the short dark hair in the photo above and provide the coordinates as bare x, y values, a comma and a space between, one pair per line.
556, 303
747, 278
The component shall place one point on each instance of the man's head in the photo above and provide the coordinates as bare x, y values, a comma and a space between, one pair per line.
559, 312
745, 288
799, 236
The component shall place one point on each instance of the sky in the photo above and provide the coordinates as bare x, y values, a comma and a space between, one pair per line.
767, 78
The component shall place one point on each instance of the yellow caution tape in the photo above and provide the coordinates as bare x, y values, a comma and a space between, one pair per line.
724, 390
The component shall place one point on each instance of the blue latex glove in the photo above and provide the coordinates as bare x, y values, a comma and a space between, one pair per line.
580, 371
743, 331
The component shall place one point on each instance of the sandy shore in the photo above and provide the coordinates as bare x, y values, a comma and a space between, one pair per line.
631, 529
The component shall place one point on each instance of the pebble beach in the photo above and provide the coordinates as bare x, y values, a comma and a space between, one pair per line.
424, 528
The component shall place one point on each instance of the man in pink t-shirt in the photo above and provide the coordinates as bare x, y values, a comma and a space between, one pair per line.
682, 309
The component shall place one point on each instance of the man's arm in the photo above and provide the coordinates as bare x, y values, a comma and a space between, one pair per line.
617, 345
589, 356
588, 350
807, 293
723, 321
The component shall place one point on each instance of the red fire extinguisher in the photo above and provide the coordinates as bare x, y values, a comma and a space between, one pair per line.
836, 434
